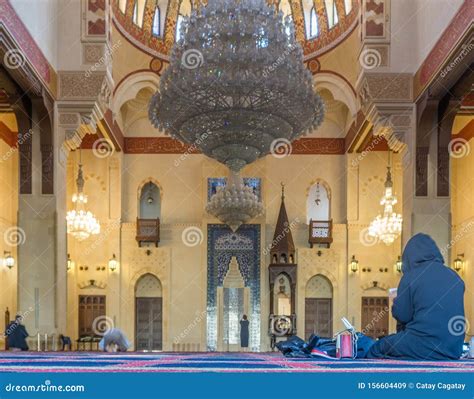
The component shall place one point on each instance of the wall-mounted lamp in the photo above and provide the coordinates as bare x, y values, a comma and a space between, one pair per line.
458, 262
354, 264
70, 263
8, 259
399, 264
113, 263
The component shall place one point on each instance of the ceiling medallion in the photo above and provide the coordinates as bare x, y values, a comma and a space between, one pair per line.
236, 83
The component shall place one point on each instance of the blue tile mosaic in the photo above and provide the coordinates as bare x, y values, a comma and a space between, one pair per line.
244, 244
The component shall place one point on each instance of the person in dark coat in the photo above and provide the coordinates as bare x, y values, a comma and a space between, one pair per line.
16, 334
244, 332
429, 307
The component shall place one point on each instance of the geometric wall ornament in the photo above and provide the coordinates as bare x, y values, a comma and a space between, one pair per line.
222, 246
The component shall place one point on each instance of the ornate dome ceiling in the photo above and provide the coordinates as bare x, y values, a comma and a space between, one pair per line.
151, 25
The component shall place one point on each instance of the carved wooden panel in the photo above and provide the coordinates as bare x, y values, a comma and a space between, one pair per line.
25, 146
318, 317
421, 179
375, 313
47, 169
443, 172
149, 324
91, 307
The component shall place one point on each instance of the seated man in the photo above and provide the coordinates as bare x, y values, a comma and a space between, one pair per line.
114, 340
429, 301
16, 334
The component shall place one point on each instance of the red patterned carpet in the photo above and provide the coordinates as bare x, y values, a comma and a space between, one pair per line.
209, 362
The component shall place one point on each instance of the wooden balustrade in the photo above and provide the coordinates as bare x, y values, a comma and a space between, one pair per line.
320, 232
148, 230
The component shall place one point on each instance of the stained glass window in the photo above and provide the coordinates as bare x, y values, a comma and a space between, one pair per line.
313, 24
156, 28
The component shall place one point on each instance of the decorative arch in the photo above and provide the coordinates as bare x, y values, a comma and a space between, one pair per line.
146, 270
155, 290
340, 89
146, 181
128, 88
325, 281
312, 209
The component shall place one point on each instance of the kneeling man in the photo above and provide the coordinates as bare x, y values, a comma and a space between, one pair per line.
428, 308
114, 340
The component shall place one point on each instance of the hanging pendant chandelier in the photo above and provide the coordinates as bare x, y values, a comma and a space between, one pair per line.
387, 226
235, 203
236, 83
81, 224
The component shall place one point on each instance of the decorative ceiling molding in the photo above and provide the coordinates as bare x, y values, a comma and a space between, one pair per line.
388, 107
28, 57
167, 145
159, 47
440, 57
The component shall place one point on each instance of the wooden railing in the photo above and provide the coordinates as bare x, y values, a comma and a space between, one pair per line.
320, 232
148, 230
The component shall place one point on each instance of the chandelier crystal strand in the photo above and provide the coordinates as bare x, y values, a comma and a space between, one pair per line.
236, 82
388, 226
235, 203
81, 224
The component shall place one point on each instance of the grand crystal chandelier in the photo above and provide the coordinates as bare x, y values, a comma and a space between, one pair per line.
81, 223
235, 203
387, 226
236, 83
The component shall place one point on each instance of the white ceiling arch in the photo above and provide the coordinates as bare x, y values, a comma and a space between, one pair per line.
339, 88
129, 88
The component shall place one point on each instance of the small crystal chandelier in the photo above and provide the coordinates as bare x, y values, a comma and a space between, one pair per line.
235, 203
236, 83
388, 226
81, 223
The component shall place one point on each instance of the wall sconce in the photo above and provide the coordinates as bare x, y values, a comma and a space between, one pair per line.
70, 263
399, 264
458, 262
113, 263
8, 259
354, 264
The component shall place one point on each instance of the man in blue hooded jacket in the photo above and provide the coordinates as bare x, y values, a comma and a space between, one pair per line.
429, 307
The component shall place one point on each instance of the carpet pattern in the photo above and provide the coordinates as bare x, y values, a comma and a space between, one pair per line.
210, 362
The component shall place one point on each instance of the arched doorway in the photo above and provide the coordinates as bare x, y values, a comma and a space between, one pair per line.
148, 314
318, 307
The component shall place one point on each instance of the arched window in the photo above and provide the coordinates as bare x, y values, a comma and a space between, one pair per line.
135, 13
318, 202
313, 24
348, 6
150, 201
331, 12
138, 11
185, 9
156, 27
122, 5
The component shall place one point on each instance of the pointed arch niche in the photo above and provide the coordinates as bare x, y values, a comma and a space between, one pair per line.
318, 213
149, 212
